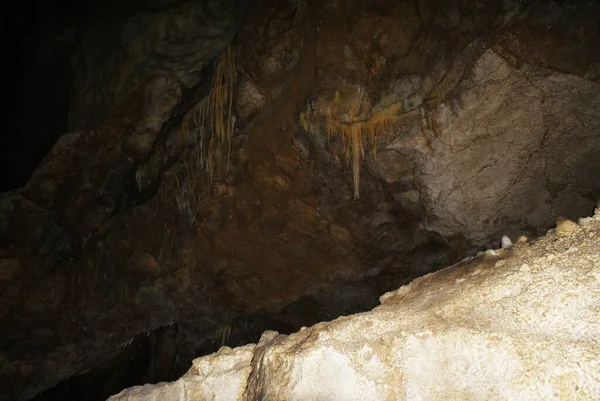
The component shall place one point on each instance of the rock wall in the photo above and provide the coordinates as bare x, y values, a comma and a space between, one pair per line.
522, 324
504, 161
119, 232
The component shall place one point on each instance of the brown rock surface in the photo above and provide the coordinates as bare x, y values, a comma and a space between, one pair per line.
119, 232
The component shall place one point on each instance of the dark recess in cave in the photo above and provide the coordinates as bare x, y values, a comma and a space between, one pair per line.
159, 356
44, 35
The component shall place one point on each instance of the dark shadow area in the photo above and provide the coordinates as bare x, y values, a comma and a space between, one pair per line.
160, 356
44, 36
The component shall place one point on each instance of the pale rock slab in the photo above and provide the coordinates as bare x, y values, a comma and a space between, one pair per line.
218, 377
521, 325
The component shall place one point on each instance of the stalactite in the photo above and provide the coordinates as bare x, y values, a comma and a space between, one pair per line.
356, 145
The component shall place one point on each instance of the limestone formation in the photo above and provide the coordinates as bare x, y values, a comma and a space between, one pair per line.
506, 242
131, 235
565, 226
218, 377
523, 326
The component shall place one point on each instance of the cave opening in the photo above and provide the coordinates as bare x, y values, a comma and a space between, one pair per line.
186, 175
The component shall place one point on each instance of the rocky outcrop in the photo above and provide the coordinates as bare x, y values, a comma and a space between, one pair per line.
220, 377
521, 324
504, 160
121, 245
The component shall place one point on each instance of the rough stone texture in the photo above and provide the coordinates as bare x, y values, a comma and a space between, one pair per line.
521, 325
504, 160
218, 377
119, 232
131, 73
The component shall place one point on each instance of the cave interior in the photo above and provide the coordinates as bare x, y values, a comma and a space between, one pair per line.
180, 175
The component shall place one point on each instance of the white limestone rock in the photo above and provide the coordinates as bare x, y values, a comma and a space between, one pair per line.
499, 142
506, 242
520, 326
218, 377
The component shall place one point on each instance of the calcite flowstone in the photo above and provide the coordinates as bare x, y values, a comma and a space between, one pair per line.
522, 325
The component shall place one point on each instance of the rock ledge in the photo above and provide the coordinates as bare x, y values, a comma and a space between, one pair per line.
521, 325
